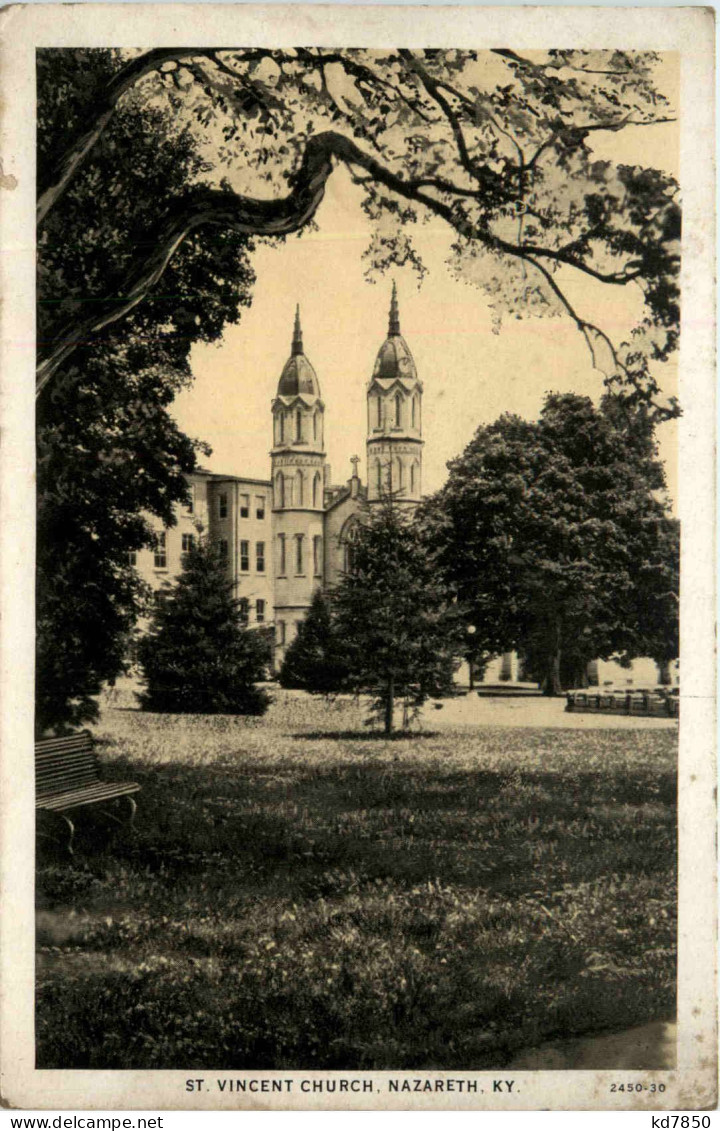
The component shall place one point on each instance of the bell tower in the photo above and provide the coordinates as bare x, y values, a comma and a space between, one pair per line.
298, 474
394, 420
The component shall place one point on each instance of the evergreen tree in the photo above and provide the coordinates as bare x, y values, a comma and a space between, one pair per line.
198, 657
401, 634
314, 660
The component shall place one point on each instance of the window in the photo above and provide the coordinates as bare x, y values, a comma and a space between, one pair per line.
190, 505
281, 632
300, 480
260, 557
398, 410
223, 549
281, 423
414, 408
317, 555
379, 412
281, 541
378, 476
260, 506
188, 541
222, 505
316, 489
244, 557
399, 470
347, 541
315, 416
131, 557
299, 538
279, 490
244, 506
260, 611
160, 597
161, 551
298, 425
244, 610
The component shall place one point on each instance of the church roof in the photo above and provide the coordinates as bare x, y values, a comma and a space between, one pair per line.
298, 375
394, 358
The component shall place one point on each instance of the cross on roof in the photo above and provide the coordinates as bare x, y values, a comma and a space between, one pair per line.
355, 460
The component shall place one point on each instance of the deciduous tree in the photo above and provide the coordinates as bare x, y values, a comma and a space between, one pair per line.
109, 454
558, 540
498, 144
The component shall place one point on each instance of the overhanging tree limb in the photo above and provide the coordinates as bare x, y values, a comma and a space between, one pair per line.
206, 206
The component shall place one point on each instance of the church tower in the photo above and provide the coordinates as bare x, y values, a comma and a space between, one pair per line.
394, 405
298, 473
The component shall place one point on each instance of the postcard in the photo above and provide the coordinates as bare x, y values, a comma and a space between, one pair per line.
358, 406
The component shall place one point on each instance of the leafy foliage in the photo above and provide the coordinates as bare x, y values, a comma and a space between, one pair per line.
400, 634
557, 538
314, 660
498, 144
109, 453
198, 657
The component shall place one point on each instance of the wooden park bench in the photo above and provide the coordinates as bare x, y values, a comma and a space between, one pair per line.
67, 778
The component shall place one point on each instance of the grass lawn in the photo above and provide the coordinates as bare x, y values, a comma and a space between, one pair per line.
301, 894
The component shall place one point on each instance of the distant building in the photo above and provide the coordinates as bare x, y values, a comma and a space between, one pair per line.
286, 536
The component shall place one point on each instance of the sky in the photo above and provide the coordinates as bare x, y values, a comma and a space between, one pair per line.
470, 374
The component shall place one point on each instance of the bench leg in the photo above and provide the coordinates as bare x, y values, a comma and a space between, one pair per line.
71, 827
133, 811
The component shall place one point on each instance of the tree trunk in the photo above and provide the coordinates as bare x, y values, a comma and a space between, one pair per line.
553, 681
389, 705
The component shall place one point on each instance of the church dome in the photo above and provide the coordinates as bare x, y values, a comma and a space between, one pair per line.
298, 375
394, 358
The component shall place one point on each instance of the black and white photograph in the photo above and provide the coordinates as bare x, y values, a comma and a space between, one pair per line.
358, 558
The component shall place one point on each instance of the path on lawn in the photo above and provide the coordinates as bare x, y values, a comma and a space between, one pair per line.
523, 711
644, 1047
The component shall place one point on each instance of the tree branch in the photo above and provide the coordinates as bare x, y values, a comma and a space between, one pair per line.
56, 182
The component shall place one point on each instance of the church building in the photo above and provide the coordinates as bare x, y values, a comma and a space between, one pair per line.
284, 537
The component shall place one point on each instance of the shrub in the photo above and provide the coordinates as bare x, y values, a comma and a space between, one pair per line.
314, 662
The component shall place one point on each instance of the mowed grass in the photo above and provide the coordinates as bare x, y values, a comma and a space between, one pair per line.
293, 900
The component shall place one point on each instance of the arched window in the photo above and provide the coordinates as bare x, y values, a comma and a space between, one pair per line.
316, 489
279, 489
414, 412
299, 484
378, 476
281, 427
414, 477
398, 410
348, 536
399, 482
298, 425
315, 422
379, 412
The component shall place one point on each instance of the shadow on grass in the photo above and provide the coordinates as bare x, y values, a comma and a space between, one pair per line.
367, 736
423, 914
284, 825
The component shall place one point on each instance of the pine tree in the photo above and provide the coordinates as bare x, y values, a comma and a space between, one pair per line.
401, 634
198, 657
314, 661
